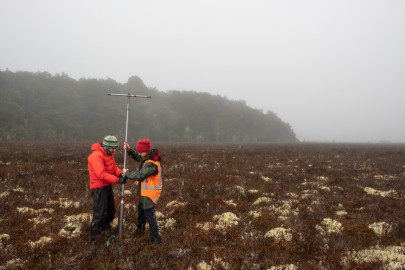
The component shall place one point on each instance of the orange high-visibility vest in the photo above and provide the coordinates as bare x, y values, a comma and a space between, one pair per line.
151, 187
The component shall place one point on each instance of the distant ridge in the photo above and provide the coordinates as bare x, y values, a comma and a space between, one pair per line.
42, 106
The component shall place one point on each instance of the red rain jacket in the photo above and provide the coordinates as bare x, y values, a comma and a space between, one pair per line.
103, 171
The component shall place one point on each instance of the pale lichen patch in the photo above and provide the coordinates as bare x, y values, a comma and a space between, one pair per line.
308, 193
130, 206
341, 213
230, 203
279, 234
292, 195
266, 179
217, 263
205, 226
240, 189
384, 177
83, 218
203, 266
3, 237
286, 208
40, 243
371, 191
114, 223
18, 189
167, 224
70, 230
29, 210
14, 264
159, 215
329, 226
381, 228
258, 212
324, 188
255, 213
64, 203
8, 163
73, 226
262, 200
283, 267
4, 194
39, 220
392, 257
225, 221
175, 204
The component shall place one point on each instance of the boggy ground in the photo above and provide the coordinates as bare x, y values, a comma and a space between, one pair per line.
298, 206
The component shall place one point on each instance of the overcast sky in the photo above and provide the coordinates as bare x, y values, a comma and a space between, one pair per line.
334, 70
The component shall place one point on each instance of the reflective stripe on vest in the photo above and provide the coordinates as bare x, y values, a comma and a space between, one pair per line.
151, 187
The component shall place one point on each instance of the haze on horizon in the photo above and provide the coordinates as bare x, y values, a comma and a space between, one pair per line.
334, 70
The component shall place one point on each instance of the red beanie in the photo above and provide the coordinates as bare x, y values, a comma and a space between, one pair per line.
143, 146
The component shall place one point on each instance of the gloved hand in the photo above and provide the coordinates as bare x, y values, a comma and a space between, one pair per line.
122, 179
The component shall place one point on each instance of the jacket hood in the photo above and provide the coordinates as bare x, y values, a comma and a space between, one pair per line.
96, 147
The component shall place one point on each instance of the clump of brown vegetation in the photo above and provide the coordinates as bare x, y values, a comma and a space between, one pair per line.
297, 206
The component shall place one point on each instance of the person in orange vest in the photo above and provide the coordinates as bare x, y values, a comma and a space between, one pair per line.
149, 177
103, 173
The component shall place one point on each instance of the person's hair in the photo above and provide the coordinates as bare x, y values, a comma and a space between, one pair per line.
154, 154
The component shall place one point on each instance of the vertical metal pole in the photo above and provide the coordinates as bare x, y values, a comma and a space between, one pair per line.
126, 131
121, 215
121, 218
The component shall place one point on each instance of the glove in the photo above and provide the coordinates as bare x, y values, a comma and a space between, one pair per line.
122, 179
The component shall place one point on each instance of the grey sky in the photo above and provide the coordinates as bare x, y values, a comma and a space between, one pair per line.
334, 70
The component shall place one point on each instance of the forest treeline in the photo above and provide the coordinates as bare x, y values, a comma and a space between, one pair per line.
42, 106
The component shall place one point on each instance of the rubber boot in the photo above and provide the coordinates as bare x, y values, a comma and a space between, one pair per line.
156, 240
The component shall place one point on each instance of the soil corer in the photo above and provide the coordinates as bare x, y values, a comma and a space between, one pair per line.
121, 217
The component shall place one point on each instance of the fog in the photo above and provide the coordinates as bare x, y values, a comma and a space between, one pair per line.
334, 70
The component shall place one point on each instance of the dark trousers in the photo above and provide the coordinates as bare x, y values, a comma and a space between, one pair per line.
147, 215
103, 209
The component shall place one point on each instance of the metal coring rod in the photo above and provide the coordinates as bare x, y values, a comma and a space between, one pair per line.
121, 217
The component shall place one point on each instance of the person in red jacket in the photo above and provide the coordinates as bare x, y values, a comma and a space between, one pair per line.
103, 173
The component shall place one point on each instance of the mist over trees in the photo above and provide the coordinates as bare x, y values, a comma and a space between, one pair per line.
42, 106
